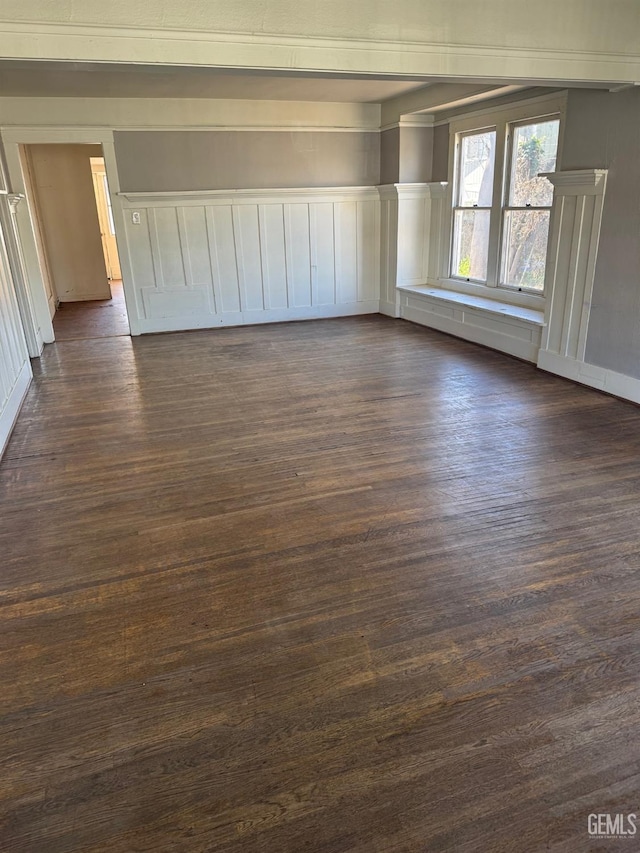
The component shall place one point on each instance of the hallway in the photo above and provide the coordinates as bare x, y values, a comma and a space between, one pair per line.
94, 319
345, 585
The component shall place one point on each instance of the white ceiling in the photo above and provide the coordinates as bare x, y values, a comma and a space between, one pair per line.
75, 80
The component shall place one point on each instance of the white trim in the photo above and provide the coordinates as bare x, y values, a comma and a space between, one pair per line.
577, 181
33, 283
519, 110
609, 381
221, 128
248, 196
387, 191
255, 50
14, 200
45, 135
15, 255
12, 139
515, 297
419, 190
12, 407
7, 127
411, 120
574, 234
248, 318
389, 309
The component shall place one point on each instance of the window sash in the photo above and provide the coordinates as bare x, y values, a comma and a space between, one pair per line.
493, 248
460, 137
511, 251
511, 128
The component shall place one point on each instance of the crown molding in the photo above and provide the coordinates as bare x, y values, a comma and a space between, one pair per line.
578, 181
576, 177
14, 200
411, 120
432, 189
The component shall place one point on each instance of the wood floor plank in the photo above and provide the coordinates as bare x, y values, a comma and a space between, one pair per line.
338, 586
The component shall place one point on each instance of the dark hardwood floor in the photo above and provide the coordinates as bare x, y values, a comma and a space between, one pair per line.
100, 318
347, 585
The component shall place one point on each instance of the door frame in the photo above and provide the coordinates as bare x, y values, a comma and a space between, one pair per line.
107, 223
14, 138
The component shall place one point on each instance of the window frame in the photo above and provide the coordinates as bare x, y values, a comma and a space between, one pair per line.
502, 118
508, 163
456, 194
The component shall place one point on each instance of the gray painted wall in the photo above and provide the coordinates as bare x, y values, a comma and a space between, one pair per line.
602, 130
406, 154
416, 154
390, 156
440, 170
194, 160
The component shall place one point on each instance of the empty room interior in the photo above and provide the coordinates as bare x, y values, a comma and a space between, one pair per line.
319, 426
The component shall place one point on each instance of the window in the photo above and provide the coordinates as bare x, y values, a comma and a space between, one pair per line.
472, 211
501, 208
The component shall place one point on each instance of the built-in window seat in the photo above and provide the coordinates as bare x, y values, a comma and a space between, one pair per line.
500, 325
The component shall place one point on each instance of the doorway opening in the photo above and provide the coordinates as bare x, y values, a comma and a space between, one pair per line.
70, 204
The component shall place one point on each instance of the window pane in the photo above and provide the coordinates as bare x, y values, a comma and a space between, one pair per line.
534, 150
470, 244
524, 248
477, 155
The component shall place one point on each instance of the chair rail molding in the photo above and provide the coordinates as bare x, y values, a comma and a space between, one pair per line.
573, 247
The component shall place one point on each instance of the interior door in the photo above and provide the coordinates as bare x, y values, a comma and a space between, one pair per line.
105, 216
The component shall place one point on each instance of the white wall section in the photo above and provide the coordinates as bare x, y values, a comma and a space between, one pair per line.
206, 259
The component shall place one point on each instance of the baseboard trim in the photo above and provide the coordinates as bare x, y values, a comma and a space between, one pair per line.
13, 405
389, 309
617, 384
253, 318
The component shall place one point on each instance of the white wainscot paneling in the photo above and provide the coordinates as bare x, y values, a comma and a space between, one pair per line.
410, 226
15, 367
223, 258
573, 247
571, 260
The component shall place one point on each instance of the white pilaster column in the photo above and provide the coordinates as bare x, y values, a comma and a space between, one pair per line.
16, 262
576, 215
411, 238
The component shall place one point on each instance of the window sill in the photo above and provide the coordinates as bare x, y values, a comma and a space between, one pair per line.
504, 296
492, 306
